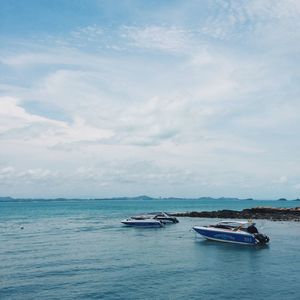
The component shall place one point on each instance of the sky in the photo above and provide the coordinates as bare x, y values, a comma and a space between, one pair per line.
163, 98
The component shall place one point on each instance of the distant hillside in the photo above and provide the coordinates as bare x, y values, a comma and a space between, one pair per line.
141, 197
6, 198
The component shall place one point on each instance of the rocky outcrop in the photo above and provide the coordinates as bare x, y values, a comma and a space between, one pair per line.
269, 213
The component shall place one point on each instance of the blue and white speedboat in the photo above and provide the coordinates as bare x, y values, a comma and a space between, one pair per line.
236, 232
149, 222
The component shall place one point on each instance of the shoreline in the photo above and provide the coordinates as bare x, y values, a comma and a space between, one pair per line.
267, 213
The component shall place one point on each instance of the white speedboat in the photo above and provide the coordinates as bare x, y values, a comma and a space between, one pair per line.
233, 232
165, 218
160, 216
145, 222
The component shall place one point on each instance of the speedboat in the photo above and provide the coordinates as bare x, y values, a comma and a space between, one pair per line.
237, 232
165, 218
149, 222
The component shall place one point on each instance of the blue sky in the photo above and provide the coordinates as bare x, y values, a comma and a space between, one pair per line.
165, 98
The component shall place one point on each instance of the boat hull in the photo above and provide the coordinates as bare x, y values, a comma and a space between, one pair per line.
142, 223
238, 237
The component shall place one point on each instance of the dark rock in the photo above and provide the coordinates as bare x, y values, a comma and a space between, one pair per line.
269, 213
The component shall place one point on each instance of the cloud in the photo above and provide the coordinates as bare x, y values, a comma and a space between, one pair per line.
9, 175
145, 172
168, 39
204, 99
154, 121
14, 116
6, 172
111, 97
204, 88
282, 179
90, 33
16, 123
252, 22
45, 55
283, 9
279, 117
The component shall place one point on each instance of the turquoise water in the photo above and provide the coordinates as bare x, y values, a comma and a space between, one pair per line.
80, 250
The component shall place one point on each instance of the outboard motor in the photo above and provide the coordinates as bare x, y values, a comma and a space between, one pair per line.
175, 220
261, 238
252, 229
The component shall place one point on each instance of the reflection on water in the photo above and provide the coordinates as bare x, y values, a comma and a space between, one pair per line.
223, 246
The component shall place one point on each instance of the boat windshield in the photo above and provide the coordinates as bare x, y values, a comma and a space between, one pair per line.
235, 224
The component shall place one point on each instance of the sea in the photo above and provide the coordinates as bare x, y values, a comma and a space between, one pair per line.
78, 249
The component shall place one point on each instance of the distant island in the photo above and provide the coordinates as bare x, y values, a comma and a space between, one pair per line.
142, 197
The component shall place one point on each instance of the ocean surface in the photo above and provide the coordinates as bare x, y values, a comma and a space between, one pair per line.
78, 249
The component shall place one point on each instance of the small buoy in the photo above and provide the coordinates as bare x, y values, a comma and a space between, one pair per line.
22, 227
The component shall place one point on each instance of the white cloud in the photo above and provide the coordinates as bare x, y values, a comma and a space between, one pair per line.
153, 121
6, 172
179, 106
90, 33
13, 116
16, 123
170, 39
39, 54
281, 9
256, 21
282, 179
145, 172
10, 175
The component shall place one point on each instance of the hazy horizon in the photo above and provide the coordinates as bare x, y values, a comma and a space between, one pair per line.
146, 197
